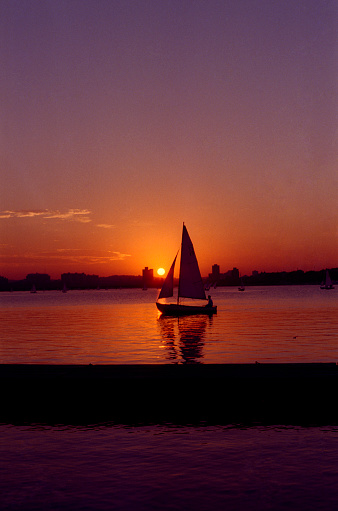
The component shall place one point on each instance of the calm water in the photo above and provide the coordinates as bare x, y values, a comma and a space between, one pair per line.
267, 324
168, 467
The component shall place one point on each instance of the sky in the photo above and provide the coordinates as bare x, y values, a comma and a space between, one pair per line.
122, 119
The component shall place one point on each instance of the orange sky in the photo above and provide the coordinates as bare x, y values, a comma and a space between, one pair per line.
119, 123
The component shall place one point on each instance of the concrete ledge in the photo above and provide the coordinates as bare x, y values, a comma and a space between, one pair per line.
134, 394
164, 371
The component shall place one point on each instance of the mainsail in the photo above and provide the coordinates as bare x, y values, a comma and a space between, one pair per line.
190, 281
168, 285
328, 281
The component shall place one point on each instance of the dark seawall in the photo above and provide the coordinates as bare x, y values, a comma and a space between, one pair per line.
304, 394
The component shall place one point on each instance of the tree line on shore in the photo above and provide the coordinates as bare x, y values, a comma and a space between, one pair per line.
83, 281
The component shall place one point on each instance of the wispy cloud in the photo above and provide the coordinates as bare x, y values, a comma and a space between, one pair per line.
118, 256
80, 255
64, 255
22, 213
106, 226
77, 215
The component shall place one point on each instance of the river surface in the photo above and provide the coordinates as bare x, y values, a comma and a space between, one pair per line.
110, 466
264, 324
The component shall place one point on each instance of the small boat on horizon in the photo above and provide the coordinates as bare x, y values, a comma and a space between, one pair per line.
190, 284
241, 287
327, 283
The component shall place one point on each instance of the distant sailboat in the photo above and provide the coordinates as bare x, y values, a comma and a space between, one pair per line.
64, 289
327, 284
33, 290
241, 287
190, 284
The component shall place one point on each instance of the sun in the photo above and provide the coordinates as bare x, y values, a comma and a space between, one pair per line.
161, 271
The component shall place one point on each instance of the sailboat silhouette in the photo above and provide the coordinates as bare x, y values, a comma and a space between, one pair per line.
190, 283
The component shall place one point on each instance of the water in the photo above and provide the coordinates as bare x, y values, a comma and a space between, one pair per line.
110, 466
106, 467
265, 324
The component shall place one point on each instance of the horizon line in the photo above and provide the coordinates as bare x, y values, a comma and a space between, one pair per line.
162, 277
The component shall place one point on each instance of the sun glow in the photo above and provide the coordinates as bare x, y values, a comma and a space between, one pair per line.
161, 271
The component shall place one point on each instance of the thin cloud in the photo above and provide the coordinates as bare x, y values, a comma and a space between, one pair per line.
106, 226
79, 215
118, 256
76, 215
80, 254
86, 255
70, 255
22, 213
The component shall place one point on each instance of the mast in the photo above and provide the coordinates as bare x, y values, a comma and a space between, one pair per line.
190, 284
179, 276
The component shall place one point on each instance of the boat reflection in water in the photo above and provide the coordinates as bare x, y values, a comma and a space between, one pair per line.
184, 337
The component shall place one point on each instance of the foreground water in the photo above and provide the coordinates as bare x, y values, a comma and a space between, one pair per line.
111, 466
265, 324
104, 467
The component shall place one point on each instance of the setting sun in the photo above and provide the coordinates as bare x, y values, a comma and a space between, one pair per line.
161, 271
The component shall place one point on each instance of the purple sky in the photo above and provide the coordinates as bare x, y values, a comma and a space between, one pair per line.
122, 119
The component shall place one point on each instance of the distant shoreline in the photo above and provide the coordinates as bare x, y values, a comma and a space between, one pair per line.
44, 282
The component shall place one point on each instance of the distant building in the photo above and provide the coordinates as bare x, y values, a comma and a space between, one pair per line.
4, 284
215, 271
215, 274
79, 281
39, 280
229, 278
235, 273
148, 277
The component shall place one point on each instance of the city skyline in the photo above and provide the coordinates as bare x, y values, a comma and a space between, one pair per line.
120, 120
211, 277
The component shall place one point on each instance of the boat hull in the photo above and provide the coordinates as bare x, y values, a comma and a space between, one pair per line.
173, 309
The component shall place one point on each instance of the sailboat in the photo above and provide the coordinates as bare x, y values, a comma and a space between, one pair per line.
190, 284
327, 284
241, 287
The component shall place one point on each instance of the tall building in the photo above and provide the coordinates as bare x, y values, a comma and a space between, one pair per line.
148, 277
215, 271
235, 273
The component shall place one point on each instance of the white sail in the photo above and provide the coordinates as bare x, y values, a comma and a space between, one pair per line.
190, 281
241, 287
168, 285
328, 281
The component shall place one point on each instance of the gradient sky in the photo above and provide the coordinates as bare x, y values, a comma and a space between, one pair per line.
121, 119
